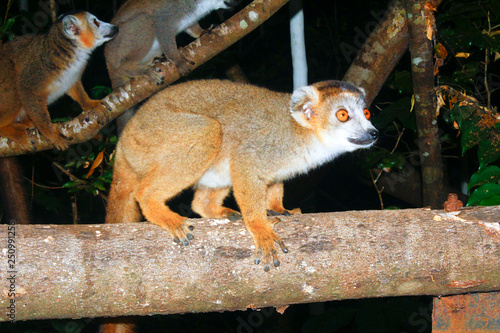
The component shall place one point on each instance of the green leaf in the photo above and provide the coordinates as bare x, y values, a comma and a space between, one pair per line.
472, 134
91, 189
69, 184
99, 185
490, 201
9, 23
99, 92
392, 161
489, 149
74, 183
60, 119
488, 174
462, 113
484, 195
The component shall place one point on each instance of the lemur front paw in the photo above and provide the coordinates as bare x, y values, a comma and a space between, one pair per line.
185, 240
264, 239
183, 67
178, 229
58, 139
155, 74
182, 235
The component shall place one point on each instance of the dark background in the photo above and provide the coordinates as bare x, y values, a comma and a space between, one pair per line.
335, 30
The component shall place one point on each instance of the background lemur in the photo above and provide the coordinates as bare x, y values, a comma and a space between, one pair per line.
217, 135
34, 72
37, 70
148, 29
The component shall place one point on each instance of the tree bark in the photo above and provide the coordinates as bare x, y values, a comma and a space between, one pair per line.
381, 52
422, 68
80, 271
88, 124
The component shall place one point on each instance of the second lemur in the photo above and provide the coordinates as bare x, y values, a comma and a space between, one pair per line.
37, 70
148, 29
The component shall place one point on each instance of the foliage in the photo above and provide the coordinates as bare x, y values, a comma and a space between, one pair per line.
91, 172
467, 47
473, 37
6, 27
7, 23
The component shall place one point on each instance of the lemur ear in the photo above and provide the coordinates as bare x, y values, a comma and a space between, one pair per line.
302, 105
363, 92
71, 25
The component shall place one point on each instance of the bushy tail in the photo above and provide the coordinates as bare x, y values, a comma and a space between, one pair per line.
122, 207
14, 198
117, 325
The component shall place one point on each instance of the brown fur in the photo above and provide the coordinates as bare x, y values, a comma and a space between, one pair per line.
117, 325
132, 52
217, 135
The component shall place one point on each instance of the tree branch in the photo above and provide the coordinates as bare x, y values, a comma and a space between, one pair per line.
88, 124
381, 51
136, 269
419, 14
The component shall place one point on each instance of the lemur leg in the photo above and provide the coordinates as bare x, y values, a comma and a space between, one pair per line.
208, 202
275, 201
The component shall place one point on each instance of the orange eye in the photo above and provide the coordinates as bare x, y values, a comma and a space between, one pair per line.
367, 114
343, 115
96, 23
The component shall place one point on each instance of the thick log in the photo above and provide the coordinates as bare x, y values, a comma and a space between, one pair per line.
78, 271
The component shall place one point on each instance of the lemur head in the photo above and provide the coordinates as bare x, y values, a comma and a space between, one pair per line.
336, 112
88, 31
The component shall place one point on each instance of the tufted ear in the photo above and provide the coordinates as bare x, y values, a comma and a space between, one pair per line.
71, 25
363, 92
302, 106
